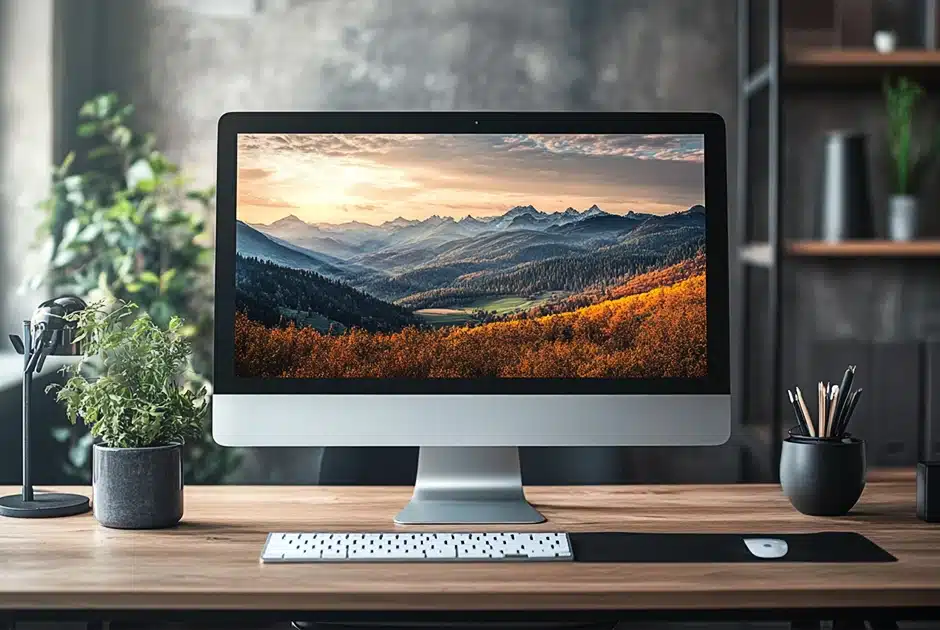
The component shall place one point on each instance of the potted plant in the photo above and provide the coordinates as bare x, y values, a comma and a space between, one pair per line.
139, 411
123, 222
912, 154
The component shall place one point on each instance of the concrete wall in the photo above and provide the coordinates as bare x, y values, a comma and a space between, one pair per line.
185, 62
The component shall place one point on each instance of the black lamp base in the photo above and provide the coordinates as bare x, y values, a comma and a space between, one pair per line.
44, 505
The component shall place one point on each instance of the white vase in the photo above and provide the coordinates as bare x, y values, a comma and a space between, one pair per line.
903, 217
885, 42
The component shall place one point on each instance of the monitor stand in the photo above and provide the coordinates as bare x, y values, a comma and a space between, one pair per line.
466, 485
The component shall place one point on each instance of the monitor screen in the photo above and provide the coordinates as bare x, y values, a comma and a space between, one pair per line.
468, 256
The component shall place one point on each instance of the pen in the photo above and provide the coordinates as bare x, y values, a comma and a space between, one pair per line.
850, 410
809, 420
800, 422
845, 387
843, 417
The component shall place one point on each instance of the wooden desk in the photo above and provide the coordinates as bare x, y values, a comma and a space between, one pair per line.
210, 562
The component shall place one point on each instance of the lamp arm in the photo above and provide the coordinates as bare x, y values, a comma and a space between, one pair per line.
36, 357
43, 353
17, 344
40, 349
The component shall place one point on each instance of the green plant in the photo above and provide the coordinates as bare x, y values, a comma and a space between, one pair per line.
910, 159
122, 223
138, 396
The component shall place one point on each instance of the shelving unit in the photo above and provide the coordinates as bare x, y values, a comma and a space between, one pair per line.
765, 257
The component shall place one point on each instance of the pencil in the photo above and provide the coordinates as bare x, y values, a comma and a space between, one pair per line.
822, 410
833, 406
809, 420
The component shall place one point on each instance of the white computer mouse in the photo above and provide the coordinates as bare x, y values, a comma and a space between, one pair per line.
766, 548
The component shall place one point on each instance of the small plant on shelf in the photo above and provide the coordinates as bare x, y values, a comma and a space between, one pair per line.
912, 151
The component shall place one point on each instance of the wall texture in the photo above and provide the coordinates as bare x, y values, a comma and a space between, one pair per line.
26, 102
185, 62
184, 67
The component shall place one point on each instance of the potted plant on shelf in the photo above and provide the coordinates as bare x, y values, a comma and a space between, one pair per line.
139, 411
912, 154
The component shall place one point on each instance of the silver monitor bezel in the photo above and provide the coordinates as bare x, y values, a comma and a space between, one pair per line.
389, 412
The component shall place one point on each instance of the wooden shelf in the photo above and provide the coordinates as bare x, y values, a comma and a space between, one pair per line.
858, 65
862, 58
865, 249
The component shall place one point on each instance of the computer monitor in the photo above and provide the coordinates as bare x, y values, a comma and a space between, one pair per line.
470, 283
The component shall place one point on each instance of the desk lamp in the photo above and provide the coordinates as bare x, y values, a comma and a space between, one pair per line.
47, 333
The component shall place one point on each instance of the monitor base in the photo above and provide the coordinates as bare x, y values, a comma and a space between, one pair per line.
468, 485
431, 512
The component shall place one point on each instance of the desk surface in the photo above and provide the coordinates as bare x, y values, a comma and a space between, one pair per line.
211, 560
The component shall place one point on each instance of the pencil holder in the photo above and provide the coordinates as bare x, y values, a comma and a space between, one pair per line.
823, 477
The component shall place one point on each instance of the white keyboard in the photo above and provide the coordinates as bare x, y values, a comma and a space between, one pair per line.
416, 547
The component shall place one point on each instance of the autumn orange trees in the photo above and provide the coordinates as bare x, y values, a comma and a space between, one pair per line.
659, 333
640, 283
662, 277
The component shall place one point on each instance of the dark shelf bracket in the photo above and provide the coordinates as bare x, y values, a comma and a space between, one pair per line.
759, 80
931, 20
765, 255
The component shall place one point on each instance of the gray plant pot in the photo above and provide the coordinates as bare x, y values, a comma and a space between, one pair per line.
903, 218
137, 488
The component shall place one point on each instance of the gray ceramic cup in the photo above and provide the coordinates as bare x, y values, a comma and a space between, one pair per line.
137, 488
823, 477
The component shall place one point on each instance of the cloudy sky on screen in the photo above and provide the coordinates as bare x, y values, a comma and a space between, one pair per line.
375, 178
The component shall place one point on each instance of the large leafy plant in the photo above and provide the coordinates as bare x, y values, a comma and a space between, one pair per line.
912, 153
139, 395
122, 223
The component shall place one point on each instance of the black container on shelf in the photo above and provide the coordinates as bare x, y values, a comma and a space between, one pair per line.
845, 211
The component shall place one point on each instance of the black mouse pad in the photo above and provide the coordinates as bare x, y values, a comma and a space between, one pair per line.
715, 548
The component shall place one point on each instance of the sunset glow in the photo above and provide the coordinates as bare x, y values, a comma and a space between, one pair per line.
376, 178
